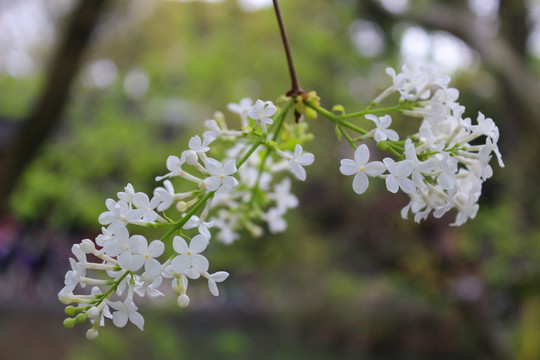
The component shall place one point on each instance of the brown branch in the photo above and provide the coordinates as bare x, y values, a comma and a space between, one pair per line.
295, 88
46, 115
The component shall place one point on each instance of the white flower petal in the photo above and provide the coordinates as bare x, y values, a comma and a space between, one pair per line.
212, 286
156, 248
198, 244
374, 168
152, 267
180, 245
229, 182
361, 155
348, 167
360, 183
199, 263
392, 184
212, 183
297, 170
120, 318
136, 319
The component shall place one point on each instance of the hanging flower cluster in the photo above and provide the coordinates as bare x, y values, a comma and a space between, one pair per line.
437, 167
246, 185
240, 180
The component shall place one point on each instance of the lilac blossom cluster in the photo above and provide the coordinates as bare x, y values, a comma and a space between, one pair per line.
439, 167
243, 188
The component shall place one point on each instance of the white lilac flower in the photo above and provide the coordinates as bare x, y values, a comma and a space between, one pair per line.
382, 132
419, 167
150, 252
129, 250
282, 196
361, 169
298, 161
148, 286
275, 220
189, 255
261, 112
174, 165
125, 311
448, 167
128, 193
200, 224
73, 277
227, 223
241, 109
145, 207
214, 278
200, 146
166, 195
398, 176
220, 175
117, 216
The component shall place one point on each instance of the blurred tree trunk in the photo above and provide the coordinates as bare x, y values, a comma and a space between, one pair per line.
46, 115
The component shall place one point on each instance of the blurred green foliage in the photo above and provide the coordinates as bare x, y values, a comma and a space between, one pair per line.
349, 278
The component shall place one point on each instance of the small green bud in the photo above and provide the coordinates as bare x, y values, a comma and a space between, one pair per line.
338, 110
69, 323
79, 319
70, 310
382, 145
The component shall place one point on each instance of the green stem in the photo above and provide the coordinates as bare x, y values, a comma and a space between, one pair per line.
280, 119
374, 111
249, 152
186, 217
347, 136
337, 119
279, 123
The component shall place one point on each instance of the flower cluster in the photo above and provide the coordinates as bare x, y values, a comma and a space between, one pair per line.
242, 188
440, 167
239, 179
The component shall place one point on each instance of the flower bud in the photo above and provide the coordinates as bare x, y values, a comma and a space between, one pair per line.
70, 310
191, 157
69, 323
92, 334
79, 319
181, 206
66, 299
88, 246
183, 301
93, 312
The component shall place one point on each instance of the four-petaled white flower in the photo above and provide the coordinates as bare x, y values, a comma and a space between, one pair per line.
125, 311
241, 109
298, 161
261, 113
398, 177
221, 174
201, 225
361, 169
189, 255
382, 132
200, 146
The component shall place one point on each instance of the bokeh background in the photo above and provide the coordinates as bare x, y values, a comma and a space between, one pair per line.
97, 93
